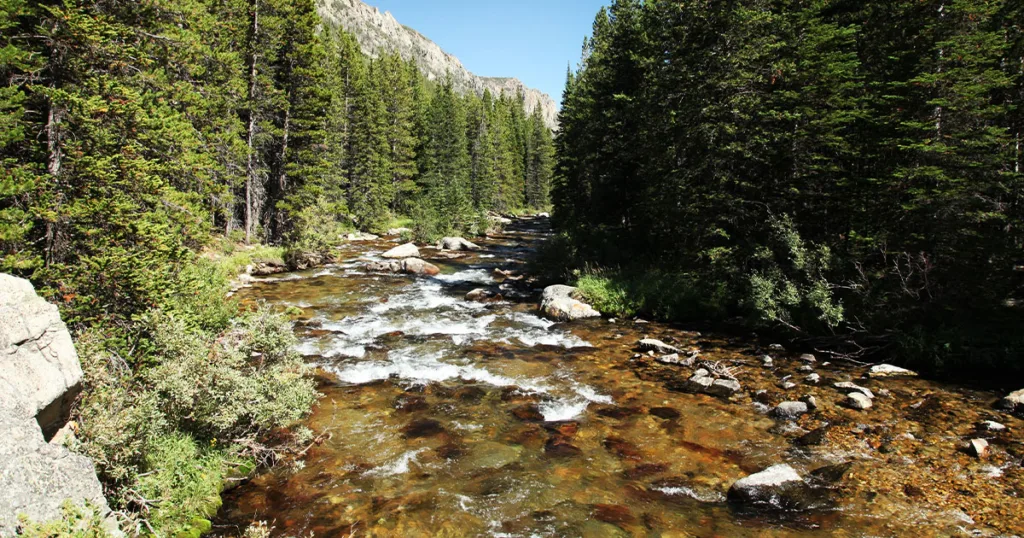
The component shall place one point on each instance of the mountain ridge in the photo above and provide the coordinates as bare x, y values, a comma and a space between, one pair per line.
379, 32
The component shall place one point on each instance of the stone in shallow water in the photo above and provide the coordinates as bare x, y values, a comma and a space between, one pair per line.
657, 346
675, 360
1014, 402
816, 437
813, 379
528, 413
790, 410
847, 387
700, 382
888, 370
978, 448
623, 449
425, 427
558, 446
777, 487
407, 250
491, 455
830, 474
857, 400
724, 387
560, 303
613, 513
991, 425
666, 413
807, 357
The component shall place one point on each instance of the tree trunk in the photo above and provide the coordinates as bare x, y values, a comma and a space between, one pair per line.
250, 165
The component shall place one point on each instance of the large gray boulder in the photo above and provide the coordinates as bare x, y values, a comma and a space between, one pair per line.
39, 373
407, 250
456, 243
37, 357
561, 304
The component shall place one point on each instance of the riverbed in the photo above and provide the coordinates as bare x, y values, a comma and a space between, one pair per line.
448, 417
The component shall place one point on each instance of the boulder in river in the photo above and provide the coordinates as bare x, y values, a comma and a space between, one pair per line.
777, 487
657, 346
407, 250
1014, 402
724, 387
483, 295
561, 304
39, 378
888, 370
410, 266
847, 387
790, 410
456, 243
675, 360
857, 400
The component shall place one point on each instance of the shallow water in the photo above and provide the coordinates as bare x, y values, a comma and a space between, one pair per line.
454, 418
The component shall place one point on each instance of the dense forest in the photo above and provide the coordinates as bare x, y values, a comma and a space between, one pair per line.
816, 168
146, 143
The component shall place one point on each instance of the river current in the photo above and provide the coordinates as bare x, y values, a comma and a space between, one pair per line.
447, 417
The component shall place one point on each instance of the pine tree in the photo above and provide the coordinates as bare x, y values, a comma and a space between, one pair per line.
447, 164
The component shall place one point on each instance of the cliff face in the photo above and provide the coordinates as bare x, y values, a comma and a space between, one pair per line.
380, 33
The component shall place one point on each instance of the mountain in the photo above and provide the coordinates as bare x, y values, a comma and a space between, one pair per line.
379, 33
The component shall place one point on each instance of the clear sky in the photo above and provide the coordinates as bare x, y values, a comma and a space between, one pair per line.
532, 40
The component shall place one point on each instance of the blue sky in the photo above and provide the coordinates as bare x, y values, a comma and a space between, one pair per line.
532, 40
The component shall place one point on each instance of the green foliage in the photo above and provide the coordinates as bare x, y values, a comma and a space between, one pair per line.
182, 482
846, 174
77, 521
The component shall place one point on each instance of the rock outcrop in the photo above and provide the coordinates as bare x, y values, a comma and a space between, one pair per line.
379, 33
39, 375
561, 304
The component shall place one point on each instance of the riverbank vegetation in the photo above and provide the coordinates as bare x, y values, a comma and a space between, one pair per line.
148, 146
846, 174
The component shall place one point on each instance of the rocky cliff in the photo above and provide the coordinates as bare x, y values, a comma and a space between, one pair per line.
39, 376
379, 33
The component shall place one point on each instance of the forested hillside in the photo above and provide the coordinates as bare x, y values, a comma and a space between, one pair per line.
136, 135
846, 173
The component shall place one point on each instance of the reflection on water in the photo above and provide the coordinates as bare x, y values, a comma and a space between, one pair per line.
455, 418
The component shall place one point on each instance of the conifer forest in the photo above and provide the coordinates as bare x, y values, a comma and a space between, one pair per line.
313, 291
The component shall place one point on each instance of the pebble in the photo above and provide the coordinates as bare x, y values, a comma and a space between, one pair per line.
807, 357
814, 379
806, 368
767, 361
776, 347
811, 401
787, 385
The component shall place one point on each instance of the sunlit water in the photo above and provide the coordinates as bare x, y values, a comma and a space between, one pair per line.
454, 418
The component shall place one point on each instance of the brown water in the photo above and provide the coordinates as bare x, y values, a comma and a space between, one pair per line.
452, 418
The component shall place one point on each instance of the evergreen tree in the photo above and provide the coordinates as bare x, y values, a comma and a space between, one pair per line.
447, 165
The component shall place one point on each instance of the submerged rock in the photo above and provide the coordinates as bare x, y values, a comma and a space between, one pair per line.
561, 304
456, 243
407, 250
777, 487
888, 370
816, 437
426, 427
790, 410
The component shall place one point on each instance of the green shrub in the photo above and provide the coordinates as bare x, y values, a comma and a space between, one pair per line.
245, 382
181, 485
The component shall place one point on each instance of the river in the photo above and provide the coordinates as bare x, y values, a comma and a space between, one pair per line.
455, 418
